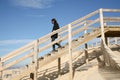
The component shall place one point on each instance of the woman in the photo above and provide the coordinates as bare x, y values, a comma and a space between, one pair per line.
55, 36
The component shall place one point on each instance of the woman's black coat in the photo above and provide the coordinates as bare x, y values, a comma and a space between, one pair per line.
55, 27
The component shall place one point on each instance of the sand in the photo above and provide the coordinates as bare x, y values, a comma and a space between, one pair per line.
91, 71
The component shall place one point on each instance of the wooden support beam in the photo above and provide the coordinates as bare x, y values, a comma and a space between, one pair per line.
16, 61
32, 57
18, 52
86, 46
32, 76
59, 67
102, 24
70, 53
111, 10
86, 53
36, 59
102, 31
1, 72
85, 17
106, 40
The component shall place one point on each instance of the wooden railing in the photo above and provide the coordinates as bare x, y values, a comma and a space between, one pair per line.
84, 25
110, 59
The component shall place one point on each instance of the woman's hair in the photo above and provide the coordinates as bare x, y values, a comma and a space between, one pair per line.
54, 20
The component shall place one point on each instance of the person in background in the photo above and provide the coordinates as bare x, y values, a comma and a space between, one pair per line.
55, 36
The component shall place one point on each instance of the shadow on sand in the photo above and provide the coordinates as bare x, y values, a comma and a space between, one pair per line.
109, 74
52, 73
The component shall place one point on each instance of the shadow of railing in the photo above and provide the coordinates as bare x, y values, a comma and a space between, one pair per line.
65, 66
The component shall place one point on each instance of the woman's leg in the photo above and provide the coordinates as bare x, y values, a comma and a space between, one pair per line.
53, 39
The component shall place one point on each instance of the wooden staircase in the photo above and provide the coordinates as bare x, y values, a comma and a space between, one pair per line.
62, 51
85, 30
55, 55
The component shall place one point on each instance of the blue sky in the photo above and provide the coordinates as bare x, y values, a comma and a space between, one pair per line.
22, 21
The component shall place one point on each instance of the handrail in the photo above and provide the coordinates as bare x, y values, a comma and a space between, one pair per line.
111, 19
63, 29
85, 17
17, 52
65, 37
52, 33
111, 10
17, 61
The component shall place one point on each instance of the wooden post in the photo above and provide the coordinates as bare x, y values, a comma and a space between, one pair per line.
1, 65
102, 24
106, 40
0, 74
32, 57
86, 53
32, 76
59, 67
70, 52
86, 46
102, 31
36, 59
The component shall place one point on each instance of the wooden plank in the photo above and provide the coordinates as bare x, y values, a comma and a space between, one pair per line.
17, 52
70, 52
50, 44
48, 37
78, 24
102, 24
111, 19
90, 37
50, 34
83, 28
36, 59
111, 10
84, 18
59, 67
114, 28
16, 61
